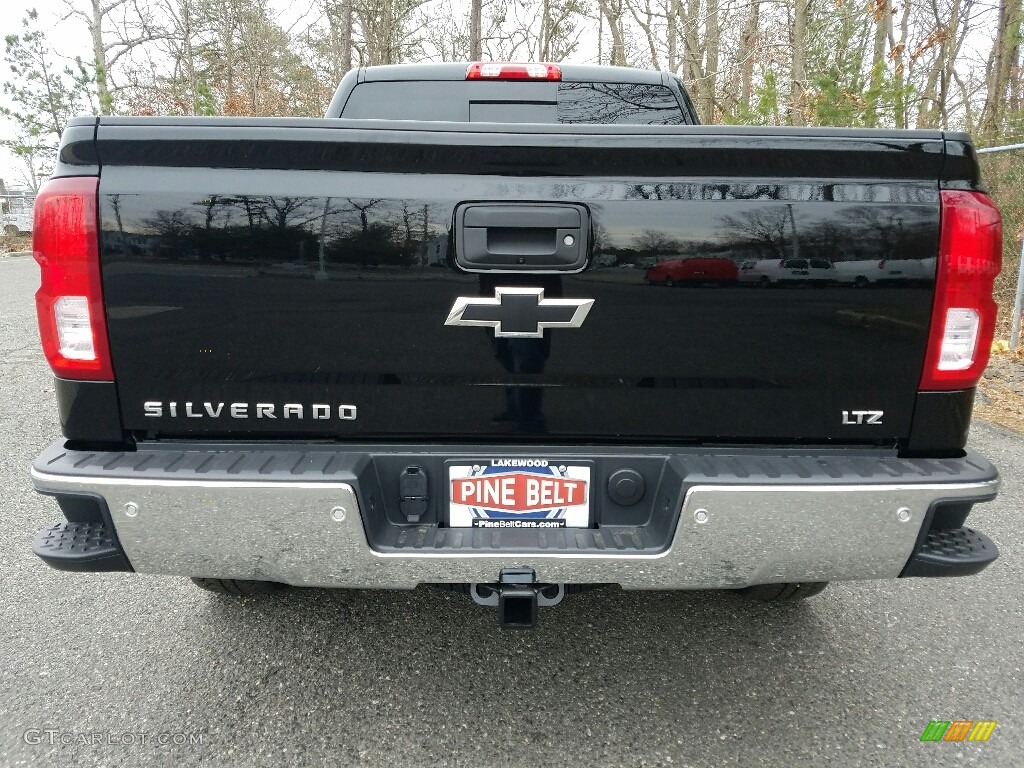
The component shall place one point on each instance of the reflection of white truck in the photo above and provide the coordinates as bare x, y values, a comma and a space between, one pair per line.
861, 272
760, 272
865, 272
916, 270
16, 214
787, 272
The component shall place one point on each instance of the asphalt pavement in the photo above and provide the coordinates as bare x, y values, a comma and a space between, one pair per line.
123, 669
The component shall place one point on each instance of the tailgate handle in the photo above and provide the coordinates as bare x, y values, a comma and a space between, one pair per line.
521, 237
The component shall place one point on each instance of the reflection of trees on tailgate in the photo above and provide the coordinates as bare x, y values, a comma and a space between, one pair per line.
360, 232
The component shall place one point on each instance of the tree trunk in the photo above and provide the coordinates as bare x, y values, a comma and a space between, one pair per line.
693, 74
672, 32
933, 110
748, 48
346, 36
227, 35
189, 56
901, 74
613, 12
544, 43
99, 55
959, 28
1002, 62
475, 43
711, 38
883, 22
798, 74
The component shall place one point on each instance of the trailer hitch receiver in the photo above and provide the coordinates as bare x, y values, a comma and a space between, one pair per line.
517, 595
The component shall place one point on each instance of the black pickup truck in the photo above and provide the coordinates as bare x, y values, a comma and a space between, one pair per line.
515, 330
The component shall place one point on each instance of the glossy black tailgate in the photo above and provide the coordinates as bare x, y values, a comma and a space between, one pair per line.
253, 265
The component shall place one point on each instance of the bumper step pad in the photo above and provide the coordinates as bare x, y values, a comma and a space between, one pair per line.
952, 552
71, 546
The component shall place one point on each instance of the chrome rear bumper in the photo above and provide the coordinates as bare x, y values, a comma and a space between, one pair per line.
312, 533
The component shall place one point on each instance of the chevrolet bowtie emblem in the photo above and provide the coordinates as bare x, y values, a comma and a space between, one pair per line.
519, 313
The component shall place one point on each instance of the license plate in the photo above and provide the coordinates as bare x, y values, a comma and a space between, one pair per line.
506, 493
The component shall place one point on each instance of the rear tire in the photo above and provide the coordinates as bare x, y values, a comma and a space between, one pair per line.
669, 282
238, 587
775, 593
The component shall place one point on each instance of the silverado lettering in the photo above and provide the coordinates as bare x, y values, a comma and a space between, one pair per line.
156, 409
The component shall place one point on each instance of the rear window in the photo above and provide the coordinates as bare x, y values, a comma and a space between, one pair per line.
499, 102
624, 103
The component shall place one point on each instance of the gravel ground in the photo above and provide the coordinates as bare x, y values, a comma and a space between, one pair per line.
15, 245
314, 677
1006, 371
1001, 395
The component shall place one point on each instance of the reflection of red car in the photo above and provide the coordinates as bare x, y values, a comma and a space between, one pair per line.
676, 271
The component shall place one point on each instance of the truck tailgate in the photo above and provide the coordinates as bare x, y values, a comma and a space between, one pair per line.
268, 279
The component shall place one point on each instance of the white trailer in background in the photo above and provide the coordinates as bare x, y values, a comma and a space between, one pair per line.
16, 214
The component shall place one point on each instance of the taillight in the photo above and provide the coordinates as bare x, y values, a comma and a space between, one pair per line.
964, 314
498, 70
69, 301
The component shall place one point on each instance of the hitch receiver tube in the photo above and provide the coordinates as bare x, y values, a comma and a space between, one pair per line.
517, 595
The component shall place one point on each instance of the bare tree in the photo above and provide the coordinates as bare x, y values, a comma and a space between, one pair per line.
612, 10
389, 32
339, 16
346, 35
712, 39
1002, 62
798, 71
646, 17
900, 63
881, 11
748, 52
116, 28
952, 25
475, 20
